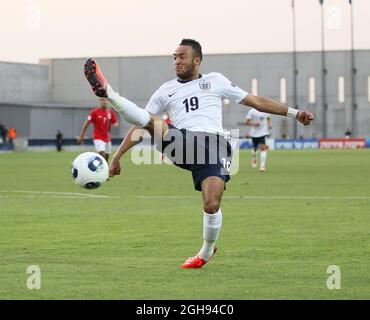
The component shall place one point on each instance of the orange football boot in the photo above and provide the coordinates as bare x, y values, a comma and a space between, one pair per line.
197, 262
96, 78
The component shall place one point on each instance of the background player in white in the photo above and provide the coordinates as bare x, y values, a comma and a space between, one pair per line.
261, 125
195, 103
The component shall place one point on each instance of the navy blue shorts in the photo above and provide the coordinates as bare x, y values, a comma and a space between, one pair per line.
204, 154
258, 141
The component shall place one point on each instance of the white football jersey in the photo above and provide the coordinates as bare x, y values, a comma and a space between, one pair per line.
261, 118
195, 105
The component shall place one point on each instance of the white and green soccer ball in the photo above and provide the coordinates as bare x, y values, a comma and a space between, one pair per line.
90, 170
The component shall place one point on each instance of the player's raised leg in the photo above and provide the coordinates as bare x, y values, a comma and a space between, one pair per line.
128, 110
212, 190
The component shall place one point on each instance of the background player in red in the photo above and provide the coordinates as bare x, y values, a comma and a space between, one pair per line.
102, 118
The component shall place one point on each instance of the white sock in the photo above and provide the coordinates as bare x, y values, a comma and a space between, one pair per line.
263, 158
211, 230
127, 109
254, 155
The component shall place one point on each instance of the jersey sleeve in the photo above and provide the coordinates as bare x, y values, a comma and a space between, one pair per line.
230, 90
91, 117
249, 115
114, 117
156, 104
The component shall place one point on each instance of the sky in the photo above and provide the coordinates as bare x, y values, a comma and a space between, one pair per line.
31, 30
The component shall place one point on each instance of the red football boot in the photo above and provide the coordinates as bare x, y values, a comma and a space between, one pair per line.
96, 78
196, 262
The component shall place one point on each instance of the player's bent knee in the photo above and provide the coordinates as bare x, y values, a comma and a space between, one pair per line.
211, 206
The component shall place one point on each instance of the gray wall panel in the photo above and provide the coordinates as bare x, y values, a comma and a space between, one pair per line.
23, 83
67, 120
17, 117
138, 77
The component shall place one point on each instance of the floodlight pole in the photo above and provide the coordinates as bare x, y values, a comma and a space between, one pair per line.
323, 72
353, 78
295, 71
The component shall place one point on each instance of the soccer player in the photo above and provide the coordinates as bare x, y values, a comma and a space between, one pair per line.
102, 118
194, 101
261, 124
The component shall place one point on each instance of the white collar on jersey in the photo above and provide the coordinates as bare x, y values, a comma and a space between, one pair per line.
185, 81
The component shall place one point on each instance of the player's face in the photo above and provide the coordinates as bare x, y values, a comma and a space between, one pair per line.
103, 102
186, 66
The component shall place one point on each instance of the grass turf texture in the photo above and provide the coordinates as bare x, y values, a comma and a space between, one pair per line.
130, 245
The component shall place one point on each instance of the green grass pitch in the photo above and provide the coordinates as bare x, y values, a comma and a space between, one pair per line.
281, 230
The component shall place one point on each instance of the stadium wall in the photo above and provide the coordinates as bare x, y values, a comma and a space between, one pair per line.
70, 144
62, 85
24, 83
42, 121
138, 77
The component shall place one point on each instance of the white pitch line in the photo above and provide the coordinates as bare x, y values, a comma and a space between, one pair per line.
358, 197
166, 197
76, 195
30, 196
279, 197
260, 197
59, 194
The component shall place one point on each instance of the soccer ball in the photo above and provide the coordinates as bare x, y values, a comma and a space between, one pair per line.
90, 170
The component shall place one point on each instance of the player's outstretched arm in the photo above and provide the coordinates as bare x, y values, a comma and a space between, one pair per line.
83, 131
132, 138
249, 122
267, 105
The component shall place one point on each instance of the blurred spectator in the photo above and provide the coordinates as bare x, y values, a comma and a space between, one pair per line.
347, 134
59, 138
3, 133
12, 134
